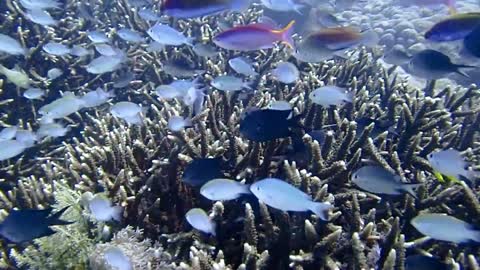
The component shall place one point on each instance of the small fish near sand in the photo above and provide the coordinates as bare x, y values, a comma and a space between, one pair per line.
254, 37
432, 65
330, 42
454, 27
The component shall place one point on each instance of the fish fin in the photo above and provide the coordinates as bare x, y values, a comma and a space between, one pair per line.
439, 177
286, 34
457, 70
54, 219
410, 189
475, 236
349, 96
240, 5
295, 121
452, 179
320, 209
117, 212
298, 8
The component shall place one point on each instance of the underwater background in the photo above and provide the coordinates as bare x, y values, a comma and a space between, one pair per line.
237, 134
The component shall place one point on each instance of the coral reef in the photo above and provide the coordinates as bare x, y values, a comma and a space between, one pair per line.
140, 166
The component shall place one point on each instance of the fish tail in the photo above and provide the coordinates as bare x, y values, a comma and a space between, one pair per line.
320, 209
410, 189
298, 8
117, 213
55, 218
461, 72
286, 34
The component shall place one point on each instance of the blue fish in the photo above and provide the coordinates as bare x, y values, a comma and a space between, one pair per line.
266, 125
24, 225
196, 8
202, 170
420, 262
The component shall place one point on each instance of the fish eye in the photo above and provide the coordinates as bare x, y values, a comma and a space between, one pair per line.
430, 155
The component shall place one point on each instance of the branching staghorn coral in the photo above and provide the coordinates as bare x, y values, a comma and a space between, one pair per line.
140, 167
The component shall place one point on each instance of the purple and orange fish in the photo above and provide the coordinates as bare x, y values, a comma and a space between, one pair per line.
254, 37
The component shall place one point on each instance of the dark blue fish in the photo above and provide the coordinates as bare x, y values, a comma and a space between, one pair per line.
266, 125
420, 262
318, 135
471, 43
202, 170
196, 8
27, 224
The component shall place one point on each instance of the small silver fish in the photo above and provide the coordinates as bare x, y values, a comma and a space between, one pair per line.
280, 105
331, 96
229, 83
79, 51
205, 50
116, 259
199, 220
130, 35
8, 133
26, 137
11, 148
148, 15
283, 5
451, 163
98, 37
55, 48
242, 66
123, 80
164, 34
445, 228
105, 49
39, 4
104, 64
54, 73
34, 93
177, 123
128, 111
52, 130
286, 73
96, 98
155, 47
102, 210
11, 46
378, 180
222, 189
281, 195
180, 70
64, 106
41, 17
16, 76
